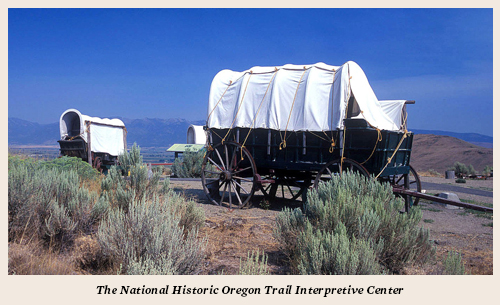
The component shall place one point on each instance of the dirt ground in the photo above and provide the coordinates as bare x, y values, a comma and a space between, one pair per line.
233, 233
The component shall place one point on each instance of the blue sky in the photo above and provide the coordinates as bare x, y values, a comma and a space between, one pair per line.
159, 63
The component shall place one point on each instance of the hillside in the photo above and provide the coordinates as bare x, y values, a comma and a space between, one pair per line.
440, 152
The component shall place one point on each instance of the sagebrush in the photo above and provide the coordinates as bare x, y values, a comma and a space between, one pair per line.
50, 202
190, 165
98, 222
255, 264
352, 225
149, 237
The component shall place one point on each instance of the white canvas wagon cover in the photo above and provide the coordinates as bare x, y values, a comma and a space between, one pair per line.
106, 135
297, 98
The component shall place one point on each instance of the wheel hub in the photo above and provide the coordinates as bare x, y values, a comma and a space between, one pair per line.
225, 176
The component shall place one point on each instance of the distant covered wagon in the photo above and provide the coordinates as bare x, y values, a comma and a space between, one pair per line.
95, 140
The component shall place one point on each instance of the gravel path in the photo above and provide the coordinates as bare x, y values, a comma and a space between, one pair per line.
480, 191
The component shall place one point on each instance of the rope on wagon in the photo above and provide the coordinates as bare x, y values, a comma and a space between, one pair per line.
397, 147
239, 107
379, 138
283, 139
332, 145
258, 110
345, 117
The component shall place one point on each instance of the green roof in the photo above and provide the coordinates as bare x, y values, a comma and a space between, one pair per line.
184, 147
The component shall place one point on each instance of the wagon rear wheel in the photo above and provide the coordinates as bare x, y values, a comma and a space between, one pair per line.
228, 172
413, 184
286, 187
98, 164
335, 167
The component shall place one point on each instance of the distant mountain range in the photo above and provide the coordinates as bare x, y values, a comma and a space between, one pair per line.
474, 138
164, 132
144, 132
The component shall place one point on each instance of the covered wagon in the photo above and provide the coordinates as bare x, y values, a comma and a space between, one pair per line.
95, 140
284, 129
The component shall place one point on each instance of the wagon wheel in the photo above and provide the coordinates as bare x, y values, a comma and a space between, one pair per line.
414, 184
227, 175
97, 164
286, 187
333, 168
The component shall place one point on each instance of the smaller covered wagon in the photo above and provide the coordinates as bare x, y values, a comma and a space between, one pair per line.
94, 140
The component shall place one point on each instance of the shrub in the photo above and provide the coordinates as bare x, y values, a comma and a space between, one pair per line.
324, 252
148, 266
130, 159
471, 170
49, 203
434, 173
255, 264
87, 253
83, 169
371, 216
159, 168
289, 224
462, 170
190, 165
453, 264
487, 170
149, 238
460, 180
140, 185
62, 164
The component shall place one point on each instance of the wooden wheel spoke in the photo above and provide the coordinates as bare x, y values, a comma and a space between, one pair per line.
290, 189
241, 170
244, 179
266, 190
233, 156
241, 187
227, 157
223, 194
221, 161
237, 195
230, 195
216, 165
329, 172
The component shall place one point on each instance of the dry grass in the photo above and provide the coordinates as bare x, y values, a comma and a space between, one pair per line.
430, 173
33, 259
93, 185
232, 238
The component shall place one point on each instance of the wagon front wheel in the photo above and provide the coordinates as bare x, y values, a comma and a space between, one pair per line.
227, 175
336, 167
